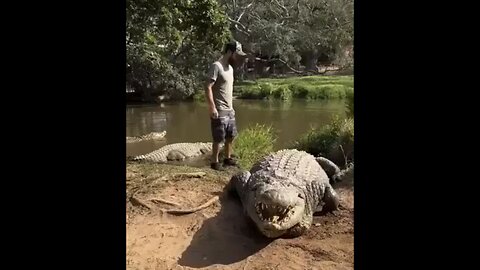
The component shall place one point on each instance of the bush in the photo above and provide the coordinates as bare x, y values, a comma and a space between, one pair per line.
250, 93
199, 96
266, 90
349, 103
299, 90
282, 93
329, 140
254, 143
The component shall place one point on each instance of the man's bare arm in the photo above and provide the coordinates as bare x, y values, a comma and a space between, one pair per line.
209, 96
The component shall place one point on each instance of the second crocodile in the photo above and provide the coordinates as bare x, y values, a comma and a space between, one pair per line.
176, 151
149, 136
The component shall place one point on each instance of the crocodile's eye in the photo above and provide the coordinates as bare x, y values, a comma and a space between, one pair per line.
300, 195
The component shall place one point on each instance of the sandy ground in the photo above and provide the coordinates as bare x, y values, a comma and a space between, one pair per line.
220, 237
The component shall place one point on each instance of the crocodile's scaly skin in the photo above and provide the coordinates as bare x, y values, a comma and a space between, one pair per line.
149, 136
282, 191
176, 151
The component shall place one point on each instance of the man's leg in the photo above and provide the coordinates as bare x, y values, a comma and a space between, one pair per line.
231, 133
215, 152
228, 147
218, 135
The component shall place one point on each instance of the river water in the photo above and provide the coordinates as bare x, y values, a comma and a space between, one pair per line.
189, 121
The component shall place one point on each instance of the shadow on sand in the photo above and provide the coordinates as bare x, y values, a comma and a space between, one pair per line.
226, 238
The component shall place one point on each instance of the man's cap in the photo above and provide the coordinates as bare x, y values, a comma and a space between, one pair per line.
235, 46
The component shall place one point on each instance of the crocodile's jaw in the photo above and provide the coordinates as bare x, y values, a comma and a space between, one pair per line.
274, 216
274, 227
272, 233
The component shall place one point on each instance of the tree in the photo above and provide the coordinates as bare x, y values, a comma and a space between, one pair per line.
297, 31
169, 43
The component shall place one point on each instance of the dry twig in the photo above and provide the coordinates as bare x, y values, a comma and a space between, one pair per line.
192, 210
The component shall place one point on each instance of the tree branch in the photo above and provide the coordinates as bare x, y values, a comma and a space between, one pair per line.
298, 71
244, 30
289, 67
281, 6
244, 10
236, 22
298, 8
241, 31
254, 15
281, 61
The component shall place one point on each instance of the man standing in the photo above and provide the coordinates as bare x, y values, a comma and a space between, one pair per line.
219, 92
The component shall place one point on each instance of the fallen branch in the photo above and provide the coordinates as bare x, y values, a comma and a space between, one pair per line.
288, 66
191, 175
164, 201
192, 210
135, 201
280, 60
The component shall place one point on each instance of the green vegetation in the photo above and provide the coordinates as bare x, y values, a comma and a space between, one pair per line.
254, 143
334, 141
350, 102
296, 32
170, 44
199, 96
311, 87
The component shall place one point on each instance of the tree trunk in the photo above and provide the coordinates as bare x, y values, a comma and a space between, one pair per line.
311, 61
147, 90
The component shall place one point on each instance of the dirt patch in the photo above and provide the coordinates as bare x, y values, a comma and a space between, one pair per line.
220, 237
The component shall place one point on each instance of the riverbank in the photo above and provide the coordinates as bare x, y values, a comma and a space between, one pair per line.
307, 87
219, 237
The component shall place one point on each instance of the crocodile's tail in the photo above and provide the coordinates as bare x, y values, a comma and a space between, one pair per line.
330, 168
338, 177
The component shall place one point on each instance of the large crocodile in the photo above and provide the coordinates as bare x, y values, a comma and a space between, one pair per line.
176, 151
149, 136
283, 190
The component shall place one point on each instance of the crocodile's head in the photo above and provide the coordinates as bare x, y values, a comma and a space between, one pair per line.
158, 135
275, 208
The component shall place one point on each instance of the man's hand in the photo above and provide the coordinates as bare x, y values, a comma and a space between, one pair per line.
213, 112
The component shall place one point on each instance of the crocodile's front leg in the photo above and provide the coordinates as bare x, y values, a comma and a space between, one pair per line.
330, 199
327, 199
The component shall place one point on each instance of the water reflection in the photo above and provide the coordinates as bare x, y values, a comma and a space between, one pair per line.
188, 121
